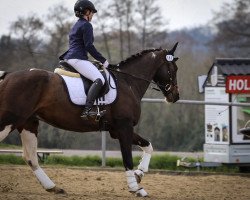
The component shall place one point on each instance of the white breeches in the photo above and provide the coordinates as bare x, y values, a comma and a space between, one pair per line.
87, 69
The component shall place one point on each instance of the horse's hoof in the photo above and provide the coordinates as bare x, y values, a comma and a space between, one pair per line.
141, 193
57, 190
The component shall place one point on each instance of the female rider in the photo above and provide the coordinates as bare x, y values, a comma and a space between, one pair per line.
80, 43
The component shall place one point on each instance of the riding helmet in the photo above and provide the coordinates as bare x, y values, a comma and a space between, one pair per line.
82, 5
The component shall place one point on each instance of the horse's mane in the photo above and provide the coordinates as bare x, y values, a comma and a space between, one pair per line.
135, 56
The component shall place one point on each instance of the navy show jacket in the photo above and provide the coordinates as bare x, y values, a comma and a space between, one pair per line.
81, 41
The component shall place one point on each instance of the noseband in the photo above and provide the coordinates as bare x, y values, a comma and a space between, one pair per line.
169, 87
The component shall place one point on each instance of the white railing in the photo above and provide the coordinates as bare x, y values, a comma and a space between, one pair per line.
148, 100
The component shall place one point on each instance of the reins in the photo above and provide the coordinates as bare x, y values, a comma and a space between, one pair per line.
137, 77
140, 78
125, 73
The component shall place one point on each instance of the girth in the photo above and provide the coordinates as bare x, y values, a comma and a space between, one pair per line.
86, 82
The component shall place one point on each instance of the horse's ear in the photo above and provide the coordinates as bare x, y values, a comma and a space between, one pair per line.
173, 49
175, 59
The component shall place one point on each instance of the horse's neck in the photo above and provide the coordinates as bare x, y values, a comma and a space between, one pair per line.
142, 75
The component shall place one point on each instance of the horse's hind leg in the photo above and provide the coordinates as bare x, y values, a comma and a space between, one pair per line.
29, 140
4, 132
7, 124
145, 160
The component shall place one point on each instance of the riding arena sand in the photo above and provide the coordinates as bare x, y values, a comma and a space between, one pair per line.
18, 182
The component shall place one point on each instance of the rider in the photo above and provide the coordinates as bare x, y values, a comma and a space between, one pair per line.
80, 43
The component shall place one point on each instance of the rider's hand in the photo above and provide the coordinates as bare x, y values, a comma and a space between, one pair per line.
105, 64
110, 66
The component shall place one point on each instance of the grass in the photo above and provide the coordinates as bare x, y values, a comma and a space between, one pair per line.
11, 159
162, 162
74, 161
9, 146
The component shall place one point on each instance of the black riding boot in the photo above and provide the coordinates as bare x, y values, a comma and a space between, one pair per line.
91, 96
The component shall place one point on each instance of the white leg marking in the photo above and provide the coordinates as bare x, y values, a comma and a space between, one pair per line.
133, 186
5, 132
29, 141
44, 179
147, 151
132, 183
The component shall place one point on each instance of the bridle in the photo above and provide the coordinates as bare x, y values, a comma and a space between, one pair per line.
168, 88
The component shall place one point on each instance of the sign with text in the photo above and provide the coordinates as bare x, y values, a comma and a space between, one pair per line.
216, 116
238, 84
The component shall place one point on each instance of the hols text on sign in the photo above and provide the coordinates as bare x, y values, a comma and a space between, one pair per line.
238, 84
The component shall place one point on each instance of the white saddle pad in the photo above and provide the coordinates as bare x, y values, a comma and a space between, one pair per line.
77, 93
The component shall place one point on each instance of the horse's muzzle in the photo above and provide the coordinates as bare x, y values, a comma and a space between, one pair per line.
171, 93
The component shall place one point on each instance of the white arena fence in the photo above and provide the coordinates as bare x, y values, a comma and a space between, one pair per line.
193, 102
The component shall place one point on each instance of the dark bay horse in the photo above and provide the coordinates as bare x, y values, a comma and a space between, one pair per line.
32, 95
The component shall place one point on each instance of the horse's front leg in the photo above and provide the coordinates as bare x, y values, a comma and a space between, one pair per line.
145, 160
124, 129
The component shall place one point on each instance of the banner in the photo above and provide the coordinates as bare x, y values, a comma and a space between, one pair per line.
238, 84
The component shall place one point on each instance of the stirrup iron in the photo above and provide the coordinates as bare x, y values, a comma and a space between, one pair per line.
99, 114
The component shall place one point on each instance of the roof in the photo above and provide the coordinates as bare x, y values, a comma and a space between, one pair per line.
233, 66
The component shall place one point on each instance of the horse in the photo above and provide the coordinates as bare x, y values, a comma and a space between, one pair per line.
31, 95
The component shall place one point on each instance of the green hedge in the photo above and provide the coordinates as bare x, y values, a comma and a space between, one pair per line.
11, 159
163, 162
157, 162
74, 160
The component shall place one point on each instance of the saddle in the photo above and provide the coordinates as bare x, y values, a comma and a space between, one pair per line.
66, 69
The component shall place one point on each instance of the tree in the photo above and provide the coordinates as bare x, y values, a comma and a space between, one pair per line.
119, 14
7, 49
103, 16
148, 22
233, 26
28, 29
57, 29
